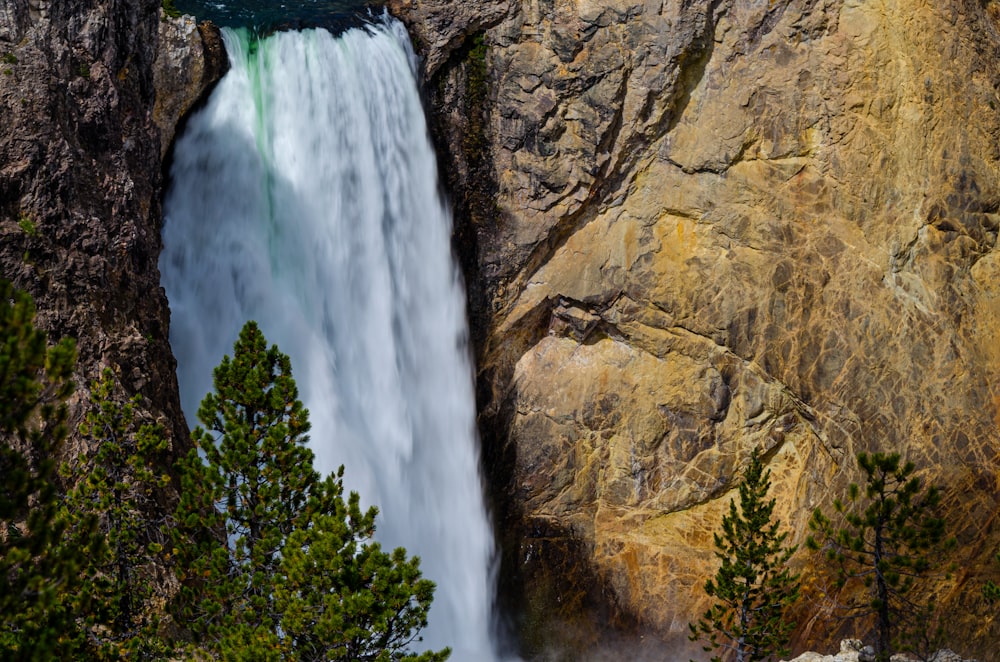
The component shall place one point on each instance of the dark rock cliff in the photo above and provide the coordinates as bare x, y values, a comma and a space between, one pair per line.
85, 122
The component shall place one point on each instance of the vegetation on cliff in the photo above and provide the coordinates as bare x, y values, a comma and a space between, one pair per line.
991, 591
883, 543
77, 569
275, 562
754, 586
113, 491
36, 569
884, 540
170, 9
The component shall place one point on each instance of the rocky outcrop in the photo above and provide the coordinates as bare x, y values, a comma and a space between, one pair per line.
695, 228
853, 650
80, 184
440, 27
189, 60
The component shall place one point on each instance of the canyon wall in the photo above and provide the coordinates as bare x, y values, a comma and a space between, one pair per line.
693, 228
690, 228
90, 93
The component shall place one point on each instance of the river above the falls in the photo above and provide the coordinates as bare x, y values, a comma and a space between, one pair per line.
265, 16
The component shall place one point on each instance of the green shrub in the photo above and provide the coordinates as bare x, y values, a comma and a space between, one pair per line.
169, 9
27, 225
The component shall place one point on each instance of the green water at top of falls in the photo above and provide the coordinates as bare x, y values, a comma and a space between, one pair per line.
265, 16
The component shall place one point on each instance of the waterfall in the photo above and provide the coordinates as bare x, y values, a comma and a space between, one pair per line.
305, 196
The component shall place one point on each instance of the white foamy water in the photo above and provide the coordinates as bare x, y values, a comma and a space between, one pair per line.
305, 197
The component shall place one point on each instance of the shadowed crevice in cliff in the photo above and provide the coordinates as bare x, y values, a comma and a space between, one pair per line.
466, 173
567, 611
499, 460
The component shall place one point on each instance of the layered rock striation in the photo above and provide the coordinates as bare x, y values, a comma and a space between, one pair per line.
695, 228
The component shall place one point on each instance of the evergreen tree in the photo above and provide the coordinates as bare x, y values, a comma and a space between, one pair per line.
115, 485
35, 570
753, 587
275, 564
886, 539
344, 599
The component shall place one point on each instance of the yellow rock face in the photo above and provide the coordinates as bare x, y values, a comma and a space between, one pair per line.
736, 225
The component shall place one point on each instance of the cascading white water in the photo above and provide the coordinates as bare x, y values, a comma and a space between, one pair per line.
304, 196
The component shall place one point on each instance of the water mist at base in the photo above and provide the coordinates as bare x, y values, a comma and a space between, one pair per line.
304, 196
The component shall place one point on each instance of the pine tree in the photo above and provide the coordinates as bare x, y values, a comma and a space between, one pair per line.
35, 570
342, 598
275, 564
753, 587
251, 489
115, 484
887, 538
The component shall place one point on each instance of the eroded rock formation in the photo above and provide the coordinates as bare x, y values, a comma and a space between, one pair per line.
696, 227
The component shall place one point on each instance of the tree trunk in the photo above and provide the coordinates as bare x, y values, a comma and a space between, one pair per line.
741, 643
882, 641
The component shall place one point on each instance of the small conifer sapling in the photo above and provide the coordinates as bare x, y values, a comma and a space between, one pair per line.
753, 587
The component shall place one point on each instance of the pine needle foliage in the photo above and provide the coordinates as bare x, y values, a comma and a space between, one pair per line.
343, 598
35, 570
884, 539
754, 586
115, 485
275, 564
